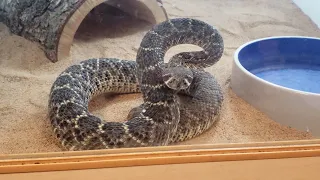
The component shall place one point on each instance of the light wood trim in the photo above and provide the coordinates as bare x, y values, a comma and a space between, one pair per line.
62, 161
271, 169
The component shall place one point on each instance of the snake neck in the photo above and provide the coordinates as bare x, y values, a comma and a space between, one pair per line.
177, 31
162, 37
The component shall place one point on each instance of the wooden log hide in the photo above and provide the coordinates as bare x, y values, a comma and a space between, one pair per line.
53, 23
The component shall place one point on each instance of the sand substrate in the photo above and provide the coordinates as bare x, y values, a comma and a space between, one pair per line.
26, 75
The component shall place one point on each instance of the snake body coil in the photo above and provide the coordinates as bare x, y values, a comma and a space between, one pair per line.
181, 100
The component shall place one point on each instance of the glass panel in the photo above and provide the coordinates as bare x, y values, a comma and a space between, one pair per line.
52, 101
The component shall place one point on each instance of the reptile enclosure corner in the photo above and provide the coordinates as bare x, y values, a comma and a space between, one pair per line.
53, 24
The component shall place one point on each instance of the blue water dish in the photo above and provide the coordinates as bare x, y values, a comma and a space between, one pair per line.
280, 76
291, 62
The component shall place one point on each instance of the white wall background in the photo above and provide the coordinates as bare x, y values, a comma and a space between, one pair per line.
310, 8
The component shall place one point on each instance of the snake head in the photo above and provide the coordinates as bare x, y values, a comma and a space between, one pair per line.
177, 78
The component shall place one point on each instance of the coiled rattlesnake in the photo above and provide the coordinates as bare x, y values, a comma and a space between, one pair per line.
181, 100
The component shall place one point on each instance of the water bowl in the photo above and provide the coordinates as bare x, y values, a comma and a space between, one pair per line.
280, 76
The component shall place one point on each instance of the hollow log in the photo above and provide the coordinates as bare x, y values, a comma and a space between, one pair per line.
53, 24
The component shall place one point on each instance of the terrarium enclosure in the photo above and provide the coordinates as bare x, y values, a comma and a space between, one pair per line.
39, 39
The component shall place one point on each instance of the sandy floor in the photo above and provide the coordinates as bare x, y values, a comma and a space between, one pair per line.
26, 75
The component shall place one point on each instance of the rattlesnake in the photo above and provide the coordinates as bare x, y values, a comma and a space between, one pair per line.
181, 100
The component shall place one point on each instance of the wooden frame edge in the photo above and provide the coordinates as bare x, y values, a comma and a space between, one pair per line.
79, 160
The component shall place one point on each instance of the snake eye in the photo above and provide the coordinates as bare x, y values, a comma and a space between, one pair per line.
186, 83
166, 77
189, 78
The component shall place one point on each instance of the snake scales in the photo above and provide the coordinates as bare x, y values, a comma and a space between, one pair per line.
181, 100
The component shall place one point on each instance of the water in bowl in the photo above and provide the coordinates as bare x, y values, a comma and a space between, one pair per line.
303, 78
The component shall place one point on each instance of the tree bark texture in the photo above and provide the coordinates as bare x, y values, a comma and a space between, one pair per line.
40, 21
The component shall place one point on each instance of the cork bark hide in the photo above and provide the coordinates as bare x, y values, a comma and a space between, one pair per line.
40, 21
53, 23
